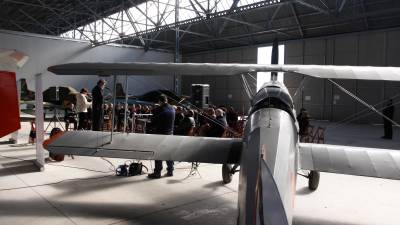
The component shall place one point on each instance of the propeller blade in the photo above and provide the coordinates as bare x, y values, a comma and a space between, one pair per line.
271, 209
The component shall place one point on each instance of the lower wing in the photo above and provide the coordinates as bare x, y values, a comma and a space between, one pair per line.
148, 146
371, 162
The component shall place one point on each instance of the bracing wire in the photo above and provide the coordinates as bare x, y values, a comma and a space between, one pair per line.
343, 122
364, 110
362, 102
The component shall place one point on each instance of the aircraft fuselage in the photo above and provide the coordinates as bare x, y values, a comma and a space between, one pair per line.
269, 159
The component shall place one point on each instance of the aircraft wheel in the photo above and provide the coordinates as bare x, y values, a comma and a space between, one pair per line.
226, 173
313, 180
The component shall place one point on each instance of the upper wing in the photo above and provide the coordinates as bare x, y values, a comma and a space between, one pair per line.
148, 146
320, 71
371, 162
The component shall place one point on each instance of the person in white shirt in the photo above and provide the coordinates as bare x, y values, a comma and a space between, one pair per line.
81, 107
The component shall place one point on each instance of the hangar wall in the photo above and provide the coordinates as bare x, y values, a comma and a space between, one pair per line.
324, 100
223, 90
45, 51
320, 97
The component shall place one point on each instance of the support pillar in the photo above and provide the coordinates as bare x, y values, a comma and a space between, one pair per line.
39, 121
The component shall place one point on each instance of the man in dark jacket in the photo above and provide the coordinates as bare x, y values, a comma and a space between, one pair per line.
162, 122
97, 105
186, 126
388, 111
304, 122
217, 124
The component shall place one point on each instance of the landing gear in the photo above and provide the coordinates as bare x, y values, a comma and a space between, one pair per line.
313, 180
227, 171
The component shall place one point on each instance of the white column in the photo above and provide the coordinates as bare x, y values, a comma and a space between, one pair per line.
39, 121
14, 135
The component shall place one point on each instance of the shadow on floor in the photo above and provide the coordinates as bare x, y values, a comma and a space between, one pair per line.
191, 211
317, 221
19, 167
303, 191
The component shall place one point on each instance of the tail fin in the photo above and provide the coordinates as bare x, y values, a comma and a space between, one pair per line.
9, 119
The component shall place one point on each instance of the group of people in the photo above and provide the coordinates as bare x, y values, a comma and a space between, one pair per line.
170, 120
163, 118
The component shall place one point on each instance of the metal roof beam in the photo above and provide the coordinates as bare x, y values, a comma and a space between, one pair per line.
273, 16
144, 14
133, 24
62, 18
17, 25
44, 7
297, 19
340, 5
37, 22
341, 21
233, 6
365, 14
98, 16
244, 22
304, 3
202, 8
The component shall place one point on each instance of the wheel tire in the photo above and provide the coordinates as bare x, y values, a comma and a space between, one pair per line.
226, 173
313, 180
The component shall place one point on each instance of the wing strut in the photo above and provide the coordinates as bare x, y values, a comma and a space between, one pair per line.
362, 102
113, 111
126, 102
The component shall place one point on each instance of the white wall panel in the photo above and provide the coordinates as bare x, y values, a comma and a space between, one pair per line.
45, 51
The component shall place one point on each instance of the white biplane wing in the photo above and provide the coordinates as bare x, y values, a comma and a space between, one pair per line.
148, 146
325, 71
371, 162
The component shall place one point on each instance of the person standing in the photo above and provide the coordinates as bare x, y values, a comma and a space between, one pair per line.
97, 105
304, 122
81, 107
388, 111
162, 122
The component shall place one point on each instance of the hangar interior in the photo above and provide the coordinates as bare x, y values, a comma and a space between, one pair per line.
334, 32
321, 32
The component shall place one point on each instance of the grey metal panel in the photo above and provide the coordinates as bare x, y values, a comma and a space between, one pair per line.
221, 57
371, 49
346, 44
314, 47
393, 48
148, 146
293, 59
209, 58
249, 55
294, 48
314, 59
346, 51
383, 163
235, 56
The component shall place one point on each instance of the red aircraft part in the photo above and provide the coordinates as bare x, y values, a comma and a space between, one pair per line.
9, 114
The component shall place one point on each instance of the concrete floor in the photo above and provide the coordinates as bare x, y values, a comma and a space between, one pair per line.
85, 191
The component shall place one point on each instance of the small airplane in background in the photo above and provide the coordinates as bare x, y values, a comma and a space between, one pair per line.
270, 154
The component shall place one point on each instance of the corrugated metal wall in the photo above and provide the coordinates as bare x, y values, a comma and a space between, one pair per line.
324, 100
223, 90
320, 97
